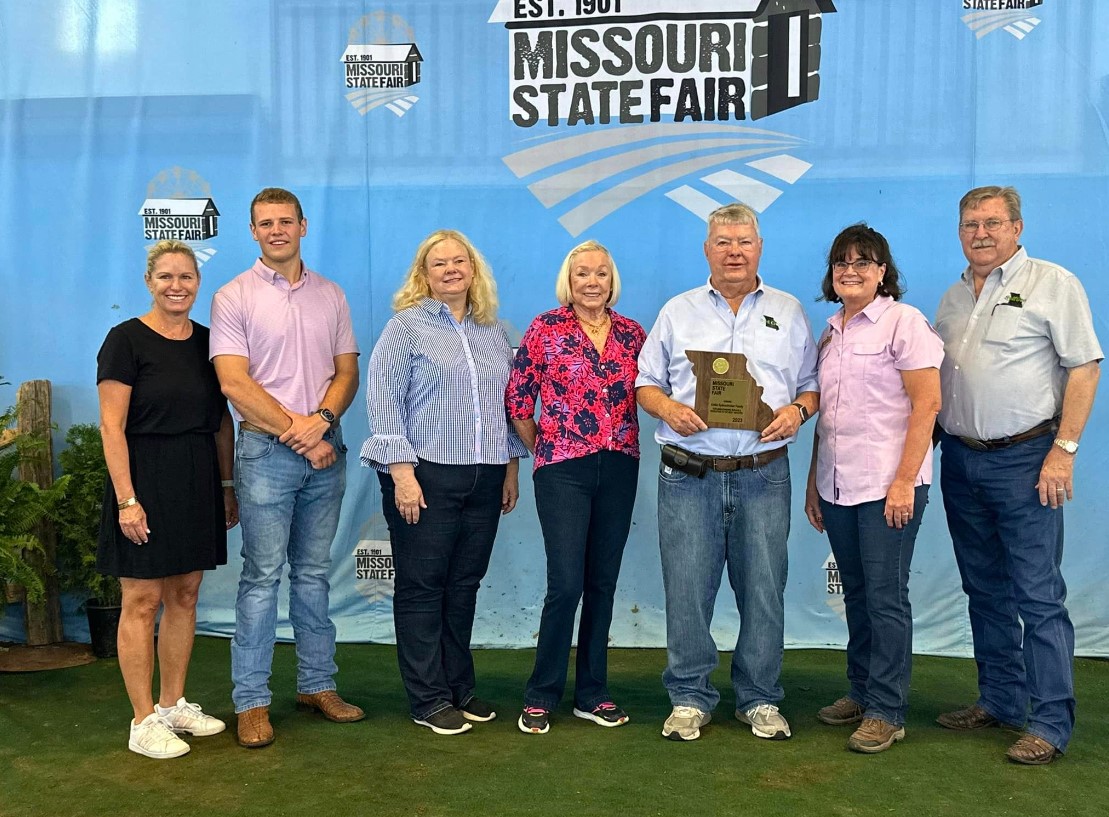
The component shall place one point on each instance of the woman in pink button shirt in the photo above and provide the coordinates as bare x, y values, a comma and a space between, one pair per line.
871, 467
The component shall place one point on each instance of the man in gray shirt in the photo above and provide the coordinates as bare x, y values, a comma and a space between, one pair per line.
1020, 368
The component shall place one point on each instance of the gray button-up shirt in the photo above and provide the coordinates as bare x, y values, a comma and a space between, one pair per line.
1006, 353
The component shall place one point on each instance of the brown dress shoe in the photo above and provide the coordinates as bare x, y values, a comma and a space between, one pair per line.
973, 717
254, 728
331, 706
1032, 751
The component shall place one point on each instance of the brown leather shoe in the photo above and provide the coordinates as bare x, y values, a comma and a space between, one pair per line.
841, 713
1032, 751
875, 736
254, 728
331, 706
973, 717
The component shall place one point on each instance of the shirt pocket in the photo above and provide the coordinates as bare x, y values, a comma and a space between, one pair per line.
866, 359
1003, 323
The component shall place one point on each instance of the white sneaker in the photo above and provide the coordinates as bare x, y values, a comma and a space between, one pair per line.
154, 739
765, 721
186, 718
685, 723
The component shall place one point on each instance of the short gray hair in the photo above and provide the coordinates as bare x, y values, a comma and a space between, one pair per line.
734, 213
978, 196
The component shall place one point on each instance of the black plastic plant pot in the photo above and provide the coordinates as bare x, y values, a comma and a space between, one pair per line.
103, 624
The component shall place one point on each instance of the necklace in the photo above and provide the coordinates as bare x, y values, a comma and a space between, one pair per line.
168, 331
595, 330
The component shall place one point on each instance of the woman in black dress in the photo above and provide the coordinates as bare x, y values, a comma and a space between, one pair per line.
169, 501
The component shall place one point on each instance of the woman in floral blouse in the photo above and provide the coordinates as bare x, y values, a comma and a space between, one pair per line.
579, 361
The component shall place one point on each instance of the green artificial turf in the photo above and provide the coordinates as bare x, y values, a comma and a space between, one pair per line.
63, 750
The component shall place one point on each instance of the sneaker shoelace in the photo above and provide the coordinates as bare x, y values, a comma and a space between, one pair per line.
534, 710
763, 709
607, 706
685, 712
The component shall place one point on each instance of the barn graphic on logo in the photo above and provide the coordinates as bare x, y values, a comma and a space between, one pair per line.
646, 99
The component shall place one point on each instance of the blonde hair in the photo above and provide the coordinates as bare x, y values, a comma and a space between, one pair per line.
166, 248
482, 296
980, 195
734, 213
562, 281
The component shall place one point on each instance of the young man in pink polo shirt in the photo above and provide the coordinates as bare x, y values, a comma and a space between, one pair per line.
286, 357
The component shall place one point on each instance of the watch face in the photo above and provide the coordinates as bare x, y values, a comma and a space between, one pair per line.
1070, 446
328, 415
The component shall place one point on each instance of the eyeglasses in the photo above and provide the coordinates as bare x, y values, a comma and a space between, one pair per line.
860, 266
992, 225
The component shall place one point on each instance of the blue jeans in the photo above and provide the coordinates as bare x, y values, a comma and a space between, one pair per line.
873, 561
1009, 549
740, 519
585, 509
440, 562
288, 511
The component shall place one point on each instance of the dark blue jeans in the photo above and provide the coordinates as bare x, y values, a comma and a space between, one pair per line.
440, 562
585, 509
873, 561
1009, 549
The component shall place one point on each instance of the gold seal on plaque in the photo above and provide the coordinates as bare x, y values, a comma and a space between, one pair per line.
728, 395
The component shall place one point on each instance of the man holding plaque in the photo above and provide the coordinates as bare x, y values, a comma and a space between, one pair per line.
1018, 379
729, 369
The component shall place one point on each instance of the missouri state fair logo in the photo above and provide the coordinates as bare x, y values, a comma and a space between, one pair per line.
646, 100
381, 64
1011, 16
373, 562
834, 587
179, 206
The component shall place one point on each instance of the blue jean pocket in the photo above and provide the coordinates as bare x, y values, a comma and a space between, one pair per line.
254, 446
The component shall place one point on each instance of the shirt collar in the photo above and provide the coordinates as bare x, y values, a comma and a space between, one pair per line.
873, 311
758, 287
270, 276
1008, 269
434, 307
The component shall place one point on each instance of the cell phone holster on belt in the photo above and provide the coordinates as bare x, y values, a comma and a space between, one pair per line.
685, 461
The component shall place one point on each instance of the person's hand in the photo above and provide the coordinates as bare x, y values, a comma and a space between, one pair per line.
510, 493
230, 507
305, 432
786, 421
812, 508
682, 418
1056, 483
409, 497
322, 455
132, 521
899, 504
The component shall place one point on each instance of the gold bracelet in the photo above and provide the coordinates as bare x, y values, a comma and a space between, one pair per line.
127, 503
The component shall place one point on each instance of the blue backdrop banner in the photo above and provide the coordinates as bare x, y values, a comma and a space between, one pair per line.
530, 125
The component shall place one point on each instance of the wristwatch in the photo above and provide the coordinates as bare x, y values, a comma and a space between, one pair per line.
327, 414
804, 412
1070, 446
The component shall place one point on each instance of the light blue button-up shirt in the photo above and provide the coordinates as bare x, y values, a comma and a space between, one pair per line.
770, 328
436, 391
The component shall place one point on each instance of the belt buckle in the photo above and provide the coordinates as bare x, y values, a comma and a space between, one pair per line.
976, 445
725, 465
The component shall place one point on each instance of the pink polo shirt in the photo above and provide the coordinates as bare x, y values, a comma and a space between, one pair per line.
289, 334
864, 408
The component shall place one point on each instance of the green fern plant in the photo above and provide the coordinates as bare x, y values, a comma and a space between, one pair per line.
78, 518
22, 505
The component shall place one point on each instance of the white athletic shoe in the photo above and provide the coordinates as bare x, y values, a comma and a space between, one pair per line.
154, 738
186, 718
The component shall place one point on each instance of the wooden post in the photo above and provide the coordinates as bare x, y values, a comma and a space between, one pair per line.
43, 620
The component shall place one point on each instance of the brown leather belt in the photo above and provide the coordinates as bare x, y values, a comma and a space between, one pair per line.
1046, 427
245, 426
696, 464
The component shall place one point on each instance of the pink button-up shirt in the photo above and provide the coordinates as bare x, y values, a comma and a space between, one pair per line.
864, 408
289, 334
